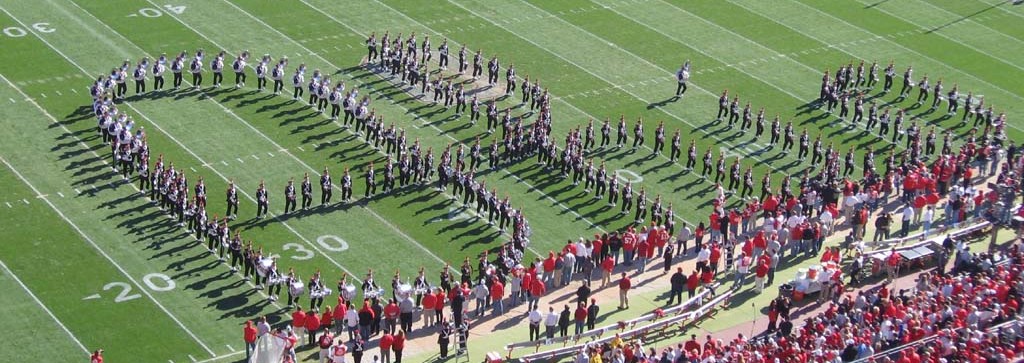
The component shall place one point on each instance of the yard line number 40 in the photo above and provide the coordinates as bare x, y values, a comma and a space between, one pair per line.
156, 13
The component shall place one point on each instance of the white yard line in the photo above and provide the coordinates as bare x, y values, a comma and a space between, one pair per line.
800, 3
33, 296
812, 36
940, 33
85, 236
196, 156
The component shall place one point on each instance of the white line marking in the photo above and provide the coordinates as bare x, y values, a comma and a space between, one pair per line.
12, 100
78, 191
60, 194
255, 157
300, 148
74, 90
192, 358
193, 169
43, 94
229, 347
93, 186
64, 217
240, 160
25, 201
58, 93
41, 196
270, 154
40, 303
224, 162
221, 357
8, 205
179, 143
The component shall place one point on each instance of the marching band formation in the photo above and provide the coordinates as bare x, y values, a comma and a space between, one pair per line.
168, 187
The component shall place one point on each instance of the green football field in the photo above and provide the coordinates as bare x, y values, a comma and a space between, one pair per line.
86, 262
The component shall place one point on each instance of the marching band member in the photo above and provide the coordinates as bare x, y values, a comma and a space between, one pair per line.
277, 74
140, 78
261, 73
294, 288
298, 81
217, 66
395, 282
239, 67
196, 68
421, 286
369, 286
315, 287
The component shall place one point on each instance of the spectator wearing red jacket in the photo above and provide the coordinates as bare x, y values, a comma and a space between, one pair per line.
386, 341
624, 285
312, 326
692, 283
580, 316
497, 295
641, 254
391, 313
429, 302
398, 345
716, 255
549, 267
761, 272
299, 322
537, 290
249, 334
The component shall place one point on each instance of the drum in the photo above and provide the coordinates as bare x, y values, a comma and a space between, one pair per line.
319, 293
371, 294
403, 291
263, 267
296, 288
348, 292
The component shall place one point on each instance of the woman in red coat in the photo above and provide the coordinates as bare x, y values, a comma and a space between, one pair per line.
398, 345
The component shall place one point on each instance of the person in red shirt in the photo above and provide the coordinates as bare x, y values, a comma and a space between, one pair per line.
398, 345
692, 345
385, 343
429, 300
391, 313
299, 321
892, 262
580, 316
249, 334
692, 283
537, 290
716, 255
549, 267
312, 325
339, 318
641, 254
439, 303
326, 319
762, 271
96, 357
624, 286
497, 295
